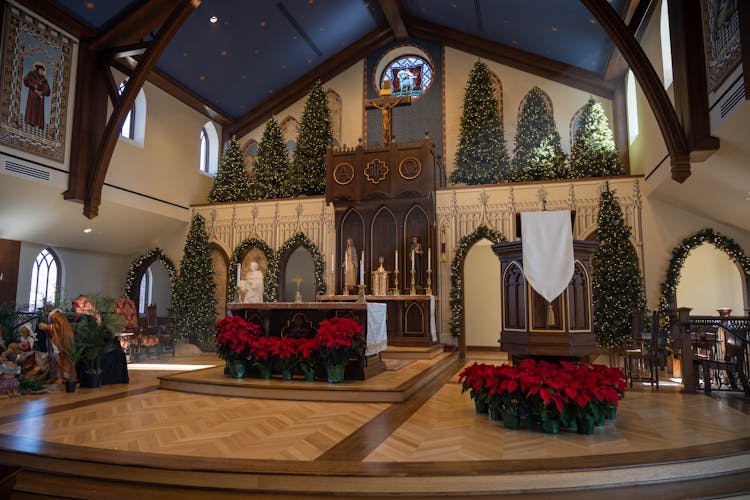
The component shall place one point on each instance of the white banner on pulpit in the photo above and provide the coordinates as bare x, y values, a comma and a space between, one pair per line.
547, 242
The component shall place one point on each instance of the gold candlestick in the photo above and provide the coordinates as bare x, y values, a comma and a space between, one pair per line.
361, 299
428, 290
395, 288
413, 290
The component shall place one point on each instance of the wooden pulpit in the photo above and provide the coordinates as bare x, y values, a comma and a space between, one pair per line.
533, 327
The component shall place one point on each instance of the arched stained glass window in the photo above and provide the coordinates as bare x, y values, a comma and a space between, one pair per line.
408, 75
145, 291
128, 126
45, 279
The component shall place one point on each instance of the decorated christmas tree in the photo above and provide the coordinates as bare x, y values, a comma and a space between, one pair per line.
231, 182
194, 294
617, 285
594, 153
482, 157
537, 153
308, 173
271, 166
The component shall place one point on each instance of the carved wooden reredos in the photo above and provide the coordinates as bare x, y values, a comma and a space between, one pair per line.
458, 212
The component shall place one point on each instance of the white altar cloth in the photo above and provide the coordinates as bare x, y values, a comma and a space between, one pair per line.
377, 334
547, 241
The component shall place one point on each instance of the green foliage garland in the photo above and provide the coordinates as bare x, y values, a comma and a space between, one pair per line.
482, 157
300, 239
617, 284
457, 273
680, 254
131, 287
194, 296
231, 182
307, 176
594, 153
271, 166
537, 152
271, 278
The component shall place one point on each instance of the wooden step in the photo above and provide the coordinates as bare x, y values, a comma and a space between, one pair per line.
397, 352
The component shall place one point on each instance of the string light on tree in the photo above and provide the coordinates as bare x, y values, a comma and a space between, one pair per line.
482, 157
594, 153
194, 297
271, 166
617, 284
231, 182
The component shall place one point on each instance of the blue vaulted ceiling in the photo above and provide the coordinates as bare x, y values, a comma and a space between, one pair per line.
257, 48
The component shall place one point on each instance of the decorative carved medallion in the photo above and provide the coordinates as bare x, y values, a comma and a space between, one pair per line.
410, 168
343, 174
376, 171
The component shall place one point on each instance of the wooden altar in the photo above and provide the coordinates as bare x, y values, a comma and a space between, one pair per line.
301, 319
409, 317
533, 327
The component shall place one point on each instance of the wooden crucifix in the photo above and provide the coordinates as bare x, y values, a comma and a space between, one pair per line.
385, 104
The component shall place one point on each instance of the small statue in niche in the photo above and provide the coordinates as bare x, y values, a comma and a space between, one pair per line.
351, 265
416, 260
251, 288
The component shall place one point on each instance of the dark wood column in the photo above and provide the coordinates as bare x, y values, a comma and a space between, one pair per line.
657, 97
689, 71
10, 256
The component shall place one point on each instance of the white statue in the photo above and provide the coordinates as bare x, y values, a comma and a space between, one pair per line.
251, 288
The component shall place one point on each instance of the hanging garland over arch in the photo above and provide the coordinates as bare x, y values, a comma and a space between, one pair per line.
147, 259
271, 283
680, 254
457, 273
300, 239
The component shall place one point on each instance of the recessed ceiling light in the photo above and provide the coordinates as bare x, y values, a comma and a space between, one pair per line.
87, 230
213, 19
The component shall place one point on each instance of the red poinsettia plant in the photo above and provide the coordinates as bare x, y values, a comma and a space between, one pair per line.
234, 337
285, 350
308, 353
340, 339
261, 352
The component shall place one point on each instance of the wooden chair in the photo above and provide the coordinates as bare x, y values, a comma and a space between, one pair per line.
125, 307
166, 335
727, 363
646, 351
148, 334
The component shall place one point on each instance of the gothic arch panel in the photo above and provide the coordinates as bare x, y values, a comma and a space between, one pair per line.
289, 132
414, 324
250, 151
383, 239
575, 122
352, 226
579, 300
220, 266
514, 297
416, 224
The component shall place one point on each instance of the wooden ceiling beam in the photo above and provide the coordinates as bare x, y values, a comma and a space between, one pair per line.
130, 50
395, 17
657, 97
298, 89
513, 57
617, 67
106, 146
135, 24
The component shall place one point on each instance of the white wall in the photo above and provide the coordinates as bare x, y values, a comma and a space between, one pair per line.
482, 296
82, 272
711, 281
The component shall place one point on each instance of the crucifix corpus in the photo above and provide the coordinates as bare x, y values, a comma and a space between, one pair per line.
385, 104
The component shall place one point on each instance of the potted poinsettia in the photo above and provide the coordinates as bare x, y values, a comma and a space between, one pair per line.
261, 353
505, 395
308, 356
234, 341
284, 350
340, 339
476, 378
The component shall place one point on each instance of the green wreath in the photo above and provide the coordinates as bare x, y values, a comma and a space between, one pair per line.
457, 273
271, 283
299, 239
131, 287
680, 254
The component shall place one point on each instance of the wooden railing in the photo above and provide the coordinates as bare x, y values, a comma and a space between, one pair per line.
714, 352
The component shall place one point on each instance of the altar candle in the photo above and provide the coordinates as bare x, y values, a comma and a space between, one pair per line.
396, 260
362, 269
429, 259
412, 259
239, 273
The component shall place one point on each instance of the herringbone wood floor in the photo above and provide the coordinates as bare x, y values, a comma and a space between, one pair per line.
437, 425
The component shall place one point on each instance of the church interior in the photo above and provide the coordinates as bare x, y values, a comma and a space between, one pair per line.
159, 168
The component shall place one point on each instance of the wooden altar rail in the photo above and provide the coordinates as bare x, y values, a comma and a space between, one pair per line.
706, 351
271, 315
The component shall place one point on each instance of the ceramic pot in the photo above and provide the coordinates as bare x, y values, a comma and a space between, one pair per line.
237, 368
481, 406
335, 373
511, 419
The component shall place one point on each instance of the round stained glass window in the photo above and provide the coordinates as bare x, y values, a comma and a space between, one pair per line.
407, 75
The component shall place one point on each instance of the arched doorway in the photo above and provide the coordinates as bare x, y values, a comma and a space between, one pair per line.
709, 281
482, 297
299, 267
148, 283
